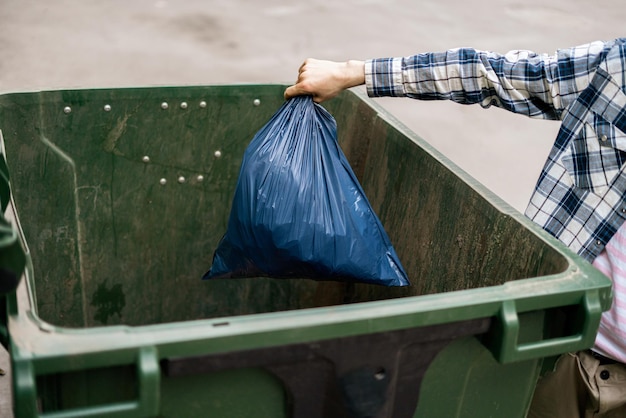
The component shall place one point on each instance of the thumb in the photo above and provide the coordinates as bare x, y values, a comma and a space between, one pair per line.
293, 91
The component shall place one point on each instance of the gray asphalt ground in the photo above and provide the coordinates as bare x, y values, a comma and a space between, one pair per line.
50, 45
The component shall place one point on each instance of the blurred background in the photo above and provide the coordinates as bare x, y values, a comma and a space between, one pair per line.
65, 44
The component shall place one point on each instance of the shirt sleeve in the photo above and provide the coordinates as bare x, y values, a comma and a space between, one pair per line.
537, 85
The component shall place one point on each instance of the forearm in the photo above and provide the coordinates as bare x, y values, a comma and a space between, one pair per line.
520, 81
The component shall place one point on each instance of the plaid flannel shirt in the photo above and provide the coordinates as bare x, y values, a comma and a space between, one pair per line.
580, 195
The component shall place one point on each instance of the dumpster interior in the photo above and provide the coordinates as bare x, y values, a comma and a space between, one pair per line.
123, 195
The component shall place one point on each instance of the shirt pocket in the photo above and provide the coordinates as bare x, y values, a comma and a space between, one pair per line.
596, 155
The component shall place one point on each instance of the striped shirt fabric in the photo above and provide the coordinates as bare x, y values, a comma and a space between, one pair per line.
580, 196
611, 336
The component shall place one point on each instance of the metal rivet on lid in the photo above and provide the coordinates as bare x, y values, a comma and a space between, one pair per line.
181, 179
162, 181
67, 109
256, 102
107, 108
218, 153
145, 159
164, 105
203, 104
183, 105
200, 177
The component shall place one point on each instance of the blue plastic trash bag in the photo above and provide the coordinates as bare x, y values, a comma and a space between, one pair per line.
299, 210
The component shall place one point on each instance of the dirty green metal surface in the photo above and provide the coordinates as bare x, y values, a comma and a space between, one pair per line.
448, 236
99, 218
122, 201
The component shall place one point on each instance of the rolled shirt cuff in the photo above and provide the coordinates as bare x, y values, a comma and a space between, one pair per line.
383, 77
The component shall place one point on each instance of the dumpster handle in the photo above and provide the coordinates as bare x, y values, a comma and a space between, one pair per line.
149, 374
509, 350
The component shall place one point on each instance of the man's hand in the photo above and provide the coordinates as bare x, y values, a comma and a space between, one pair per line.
325, 79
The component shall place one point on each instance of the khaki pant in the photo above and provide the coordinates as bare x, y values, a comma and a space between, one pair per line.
580, 387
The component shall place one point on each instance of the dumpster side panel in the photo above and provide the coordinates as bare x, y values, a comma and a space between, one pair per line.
447, 235
136, 198
43, 185
121, 171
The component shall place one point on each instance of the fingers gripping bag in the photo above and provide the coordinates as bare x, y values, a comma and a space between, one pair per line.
299, 210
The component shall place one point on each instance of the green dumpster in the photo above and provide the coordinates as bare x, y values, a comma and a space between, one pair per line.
119, 198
